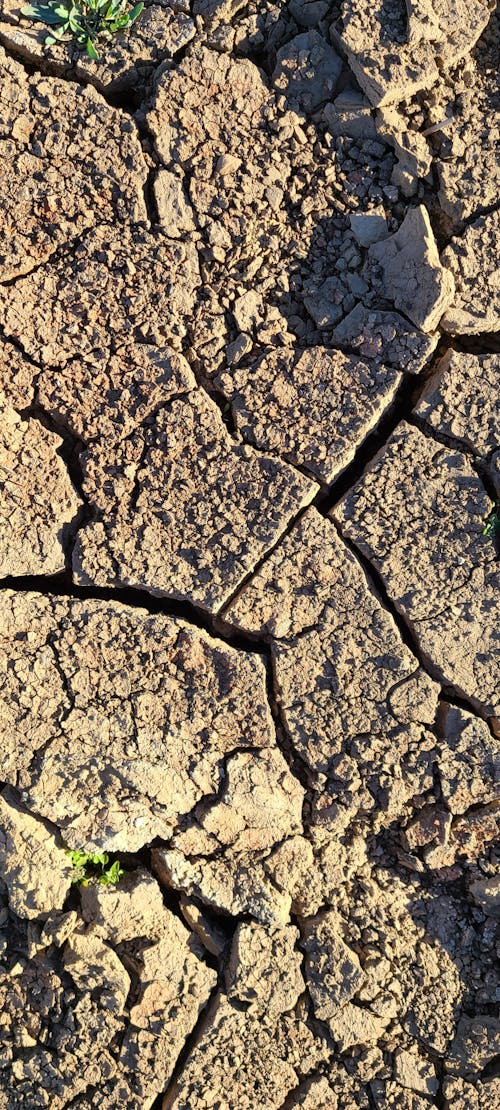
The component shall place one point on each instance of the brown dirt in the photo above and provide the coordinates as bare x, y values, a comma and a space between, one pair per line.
249, 388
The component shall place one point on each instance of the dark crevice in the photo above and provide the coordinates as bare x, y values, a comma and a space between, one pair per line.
14, 341
488, 343
221, 619
406, 397
379, 588
450, 697
150, 199
189, 1044
71, 447
124, 97
62, 253
62, 585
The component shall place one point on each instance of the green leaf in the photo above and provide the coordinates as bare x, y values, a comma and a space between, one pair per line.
48, 15
91, 50
112, 875
135, 13
74, 21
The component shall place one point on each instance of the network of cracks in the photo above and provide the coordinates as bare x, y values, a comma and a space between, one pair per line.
249, 460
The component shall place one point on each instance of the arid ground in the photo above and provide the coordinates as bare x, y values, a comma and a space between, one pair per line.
249, 539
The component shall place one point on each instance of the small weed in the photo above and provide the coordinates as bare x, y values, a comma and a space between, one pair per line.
91, 867
83, 21
492, 526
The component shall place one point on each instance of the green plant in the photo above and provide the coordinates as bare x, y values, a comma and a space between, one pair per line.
492, 526
84, 21
91, 867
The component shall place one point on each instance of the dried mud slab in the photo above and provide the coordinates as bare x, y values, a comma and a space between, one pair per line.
68, 161
17, 378
400, 47
353, 699
74, 992
254, 1060
101, 335
126, 61
208, 144
400, 965
182, 510
35, 868
473, 259
136, 717
37, 500
312, 408
462, 400
418, 514
469, 760
467, 162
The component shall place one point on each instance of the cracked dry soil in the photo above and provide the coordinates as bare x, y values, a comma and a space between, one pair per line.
249, 382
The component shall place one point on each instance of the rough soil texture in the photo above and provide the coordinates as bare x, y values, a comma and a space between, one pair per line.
249, 480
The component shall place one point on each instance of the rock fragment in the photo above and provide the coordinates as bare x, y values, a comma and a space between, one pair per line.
486, 895
182, 510
79, 161
264, 968
136, 716
415, 1073
333, 971
354, 1026
472, 258
418, 514
94, 966
413, 277
476, 1043
307, 71
174, 211
33, 863
386, 337
232, 883
312, 408
369, 228
342, 673
134, 908
350, 114
468, 760
37, 499
411, 148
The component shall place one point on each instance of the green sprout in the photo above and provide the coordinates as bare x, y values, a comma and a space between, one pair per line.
492, 525
91, 867
84, 21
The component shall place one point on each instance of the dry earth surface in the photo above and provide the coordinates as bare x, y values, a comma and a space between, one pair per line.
249, 634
